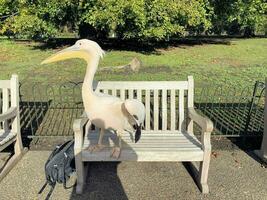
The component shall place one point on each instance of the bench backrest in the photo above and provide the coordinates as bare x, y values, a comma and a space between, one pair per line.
164, 100
9, 96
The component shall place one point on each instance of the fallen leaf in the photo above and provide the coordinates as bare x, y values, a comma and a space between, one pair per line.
236, 161
214, 154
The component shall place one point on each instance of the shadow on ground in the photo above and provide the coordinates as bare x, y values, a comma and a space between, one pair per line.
147, 47
102, 182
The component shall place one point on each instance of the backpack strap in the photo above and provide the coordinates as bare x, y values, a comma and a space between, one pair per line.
66, 158
64, 175
50, 191
42, 188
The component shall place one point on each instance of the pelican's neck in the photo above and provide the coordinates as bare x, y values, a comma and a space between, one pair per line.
87, 87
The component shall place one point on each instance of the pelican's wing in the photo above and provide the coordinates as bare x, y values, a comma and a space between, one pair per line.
131, 119
136, 109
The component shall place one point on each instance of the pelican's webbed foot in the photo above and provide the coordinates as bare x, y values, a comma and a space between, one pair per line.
115, 152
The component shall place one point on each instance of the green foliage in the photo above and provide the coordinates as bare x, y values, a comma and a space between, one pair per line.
131, 19
239, 16
249, 16
57, 12
7, 8
146, 19
35, 19
28, 26
125, 18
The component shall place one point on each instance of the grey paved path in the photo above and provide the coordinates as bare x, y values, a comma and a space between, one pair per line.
233, 175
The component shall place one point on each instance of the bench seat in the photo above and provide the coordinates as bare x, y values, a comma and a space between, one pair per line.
151, 147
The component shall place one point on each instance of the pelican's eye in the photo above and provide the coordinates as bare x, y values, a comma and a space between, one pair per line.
80, 44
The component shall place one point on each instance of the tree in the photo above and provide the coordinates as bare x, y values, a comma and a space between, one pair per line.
131, 19
36, 19
237, 17
146, 19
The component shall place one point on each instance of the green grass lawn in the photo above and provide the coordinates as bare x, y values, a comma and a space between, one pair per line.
241, 62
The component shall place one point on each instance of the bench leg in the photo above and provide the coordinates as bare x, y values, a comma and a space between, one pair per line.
202, 178
11, 163
203, 175
81, 173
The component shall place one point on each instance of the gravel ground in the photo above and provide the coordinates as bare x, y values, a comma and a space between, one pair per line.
233, 175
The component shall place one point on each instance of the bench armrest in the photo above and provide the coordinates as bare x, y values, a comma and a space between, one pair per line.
204, 122
206, 126
78, 128
9, 114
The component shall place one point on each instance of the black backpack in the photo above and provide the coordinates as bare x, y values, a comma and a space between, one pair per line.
59, 166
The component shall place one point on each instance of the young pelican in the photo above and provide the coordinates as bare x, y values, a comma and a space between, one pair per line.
104, 111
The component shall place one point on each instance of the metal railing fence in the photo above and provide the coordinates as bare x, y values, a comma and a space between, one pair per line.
48, 110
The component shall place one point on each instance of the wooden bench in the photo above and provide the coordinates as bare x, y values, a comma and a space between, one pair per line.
10, 122
167, 135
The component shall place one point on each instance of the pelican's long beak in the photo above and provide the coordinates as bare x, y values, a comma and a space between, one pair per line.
70, 52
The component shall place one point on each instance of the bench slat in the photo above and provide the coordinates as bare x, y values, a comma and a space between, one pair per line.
164, 109
157, 147
139, 95
156, 110
181, 108
5, 84
163, 147
147, 104
145, 85
122, 94
114, 92
130, 93
5, 105
146, 156
157, 141
173, 111
159, 134
5, 100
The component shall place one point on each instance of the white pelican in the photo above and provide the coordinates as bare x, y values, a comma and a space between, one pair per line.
104, 111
